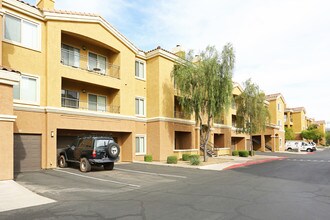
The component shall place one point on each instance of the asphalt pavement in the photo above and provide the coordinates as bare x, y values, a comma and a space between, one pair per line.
296, 187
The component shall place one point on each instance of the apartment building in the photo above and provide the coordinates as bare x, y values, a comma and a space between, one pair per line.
273, 138
77, 75
296, 119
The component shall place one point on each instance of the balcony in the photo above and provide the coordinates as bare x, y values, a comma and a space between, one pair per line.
182, 115
92, 63
89, 106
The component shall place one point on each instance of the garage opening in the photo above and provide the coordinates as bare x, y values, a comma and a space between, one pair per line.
238, 143
219, 140
268, 142
124, 139
256, 140
27, 152
183, 140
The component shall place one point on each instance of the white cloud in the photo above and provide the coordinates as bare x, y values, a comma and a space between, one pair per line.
283, 45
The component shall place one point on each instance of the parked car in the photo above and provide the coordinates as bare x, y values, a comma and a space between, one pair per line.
314, 145
299, 145
88, 151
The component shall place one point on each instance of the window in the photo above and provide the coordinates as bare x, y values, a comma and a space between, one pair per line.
279, 106
285, 117
70, 99
140, 145
140, 69
96, 103
21, 31
280, 142
139, 106
279, 123
27, 89
70, 56
96, 63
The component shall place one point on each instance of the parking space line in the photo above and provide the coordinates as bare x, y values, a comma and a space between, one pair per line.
99, 179
148, 173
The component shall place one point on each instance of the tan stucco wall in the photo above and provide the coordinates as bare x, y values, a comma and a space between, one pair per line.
7, 151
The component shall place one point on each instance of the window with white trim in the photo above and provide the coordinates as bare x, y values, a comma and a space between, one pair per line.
97, 62
27, 89
140, 144
22, 32
280, 142
70, 56
279, 123
97, 103
140, 106
279, 107
140, 69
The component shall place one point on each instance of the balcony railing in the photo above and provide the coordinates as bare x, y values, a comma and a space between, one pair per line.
91, 106
76, 60
182, 115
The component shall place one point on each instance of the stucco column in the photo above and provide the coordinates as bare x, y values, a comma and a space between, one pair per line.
263, 143
7, 119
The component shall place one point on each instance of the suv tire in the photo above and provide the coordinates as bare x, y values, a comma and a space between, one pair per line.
108, 166
309, 150
85, 166
62, 162
113, 150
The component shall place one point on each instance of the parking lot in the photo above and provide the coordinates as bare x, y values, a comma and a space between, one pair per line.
272, 190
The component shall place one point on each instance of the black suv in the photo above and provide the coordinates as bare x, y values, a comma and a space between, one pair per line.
90, 150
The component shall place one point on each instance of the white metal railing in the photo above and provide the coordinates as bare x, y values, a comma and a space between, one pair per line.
91, 106
77, 60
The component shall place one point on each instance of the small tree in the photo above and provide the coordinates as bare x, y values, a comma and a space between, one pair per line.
205, 87
289, 134
312, 133
252, 114
327, 138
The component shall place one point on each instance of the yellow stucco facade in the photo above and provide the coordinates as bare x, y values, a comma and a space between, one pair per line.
77, 75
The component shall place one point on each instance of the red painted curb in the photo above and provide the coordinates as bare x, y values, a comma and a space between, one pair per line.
252, 163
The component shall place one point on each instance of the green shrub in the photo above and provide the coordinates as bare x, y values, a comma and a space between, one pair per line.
172, 159
194, 160
243, 153
148, 158
185, 157
235, 153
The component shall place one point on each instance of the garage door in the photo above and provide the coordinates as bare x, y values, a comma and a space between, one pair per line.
27, 152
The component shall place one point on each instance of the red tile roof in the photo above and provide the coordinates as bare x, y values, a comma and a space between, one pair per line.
72, 12
33, 6
9, 69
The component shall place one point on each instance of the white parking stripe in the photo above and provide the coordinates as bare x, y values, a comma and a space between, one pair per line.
99, 179
148, 173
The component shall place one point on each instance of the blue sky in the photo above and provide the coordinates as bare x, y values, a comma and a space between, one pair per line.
283, 45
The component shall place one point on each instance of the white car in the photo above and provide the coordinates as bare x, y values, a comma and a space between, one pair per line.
299, 145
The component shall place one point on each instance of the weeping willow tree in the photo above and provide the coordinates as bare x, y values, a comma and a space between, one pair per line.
252, 115
205, 86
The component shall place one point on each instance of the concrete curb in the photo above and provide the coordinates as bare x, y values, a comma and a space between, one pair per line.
14, 196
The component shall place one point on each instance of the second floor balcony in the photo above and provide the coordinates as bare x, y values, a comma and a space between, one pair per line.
92, 62
98, 105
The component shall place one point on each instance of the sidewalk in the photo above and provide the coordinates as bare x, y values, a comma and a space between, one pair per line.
219, 163
14, 196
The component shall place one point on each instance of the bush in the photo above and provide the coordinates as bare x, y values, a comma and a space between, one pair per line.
172, 159
235, 153
185, 157
148, 158
243, 153
194, 160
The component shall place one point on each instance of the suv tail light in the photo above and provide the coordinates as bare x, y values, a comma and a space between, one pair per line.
94, 154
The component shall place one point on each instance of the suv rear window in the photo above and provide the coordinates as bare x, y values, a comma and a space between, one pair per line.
102, 143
